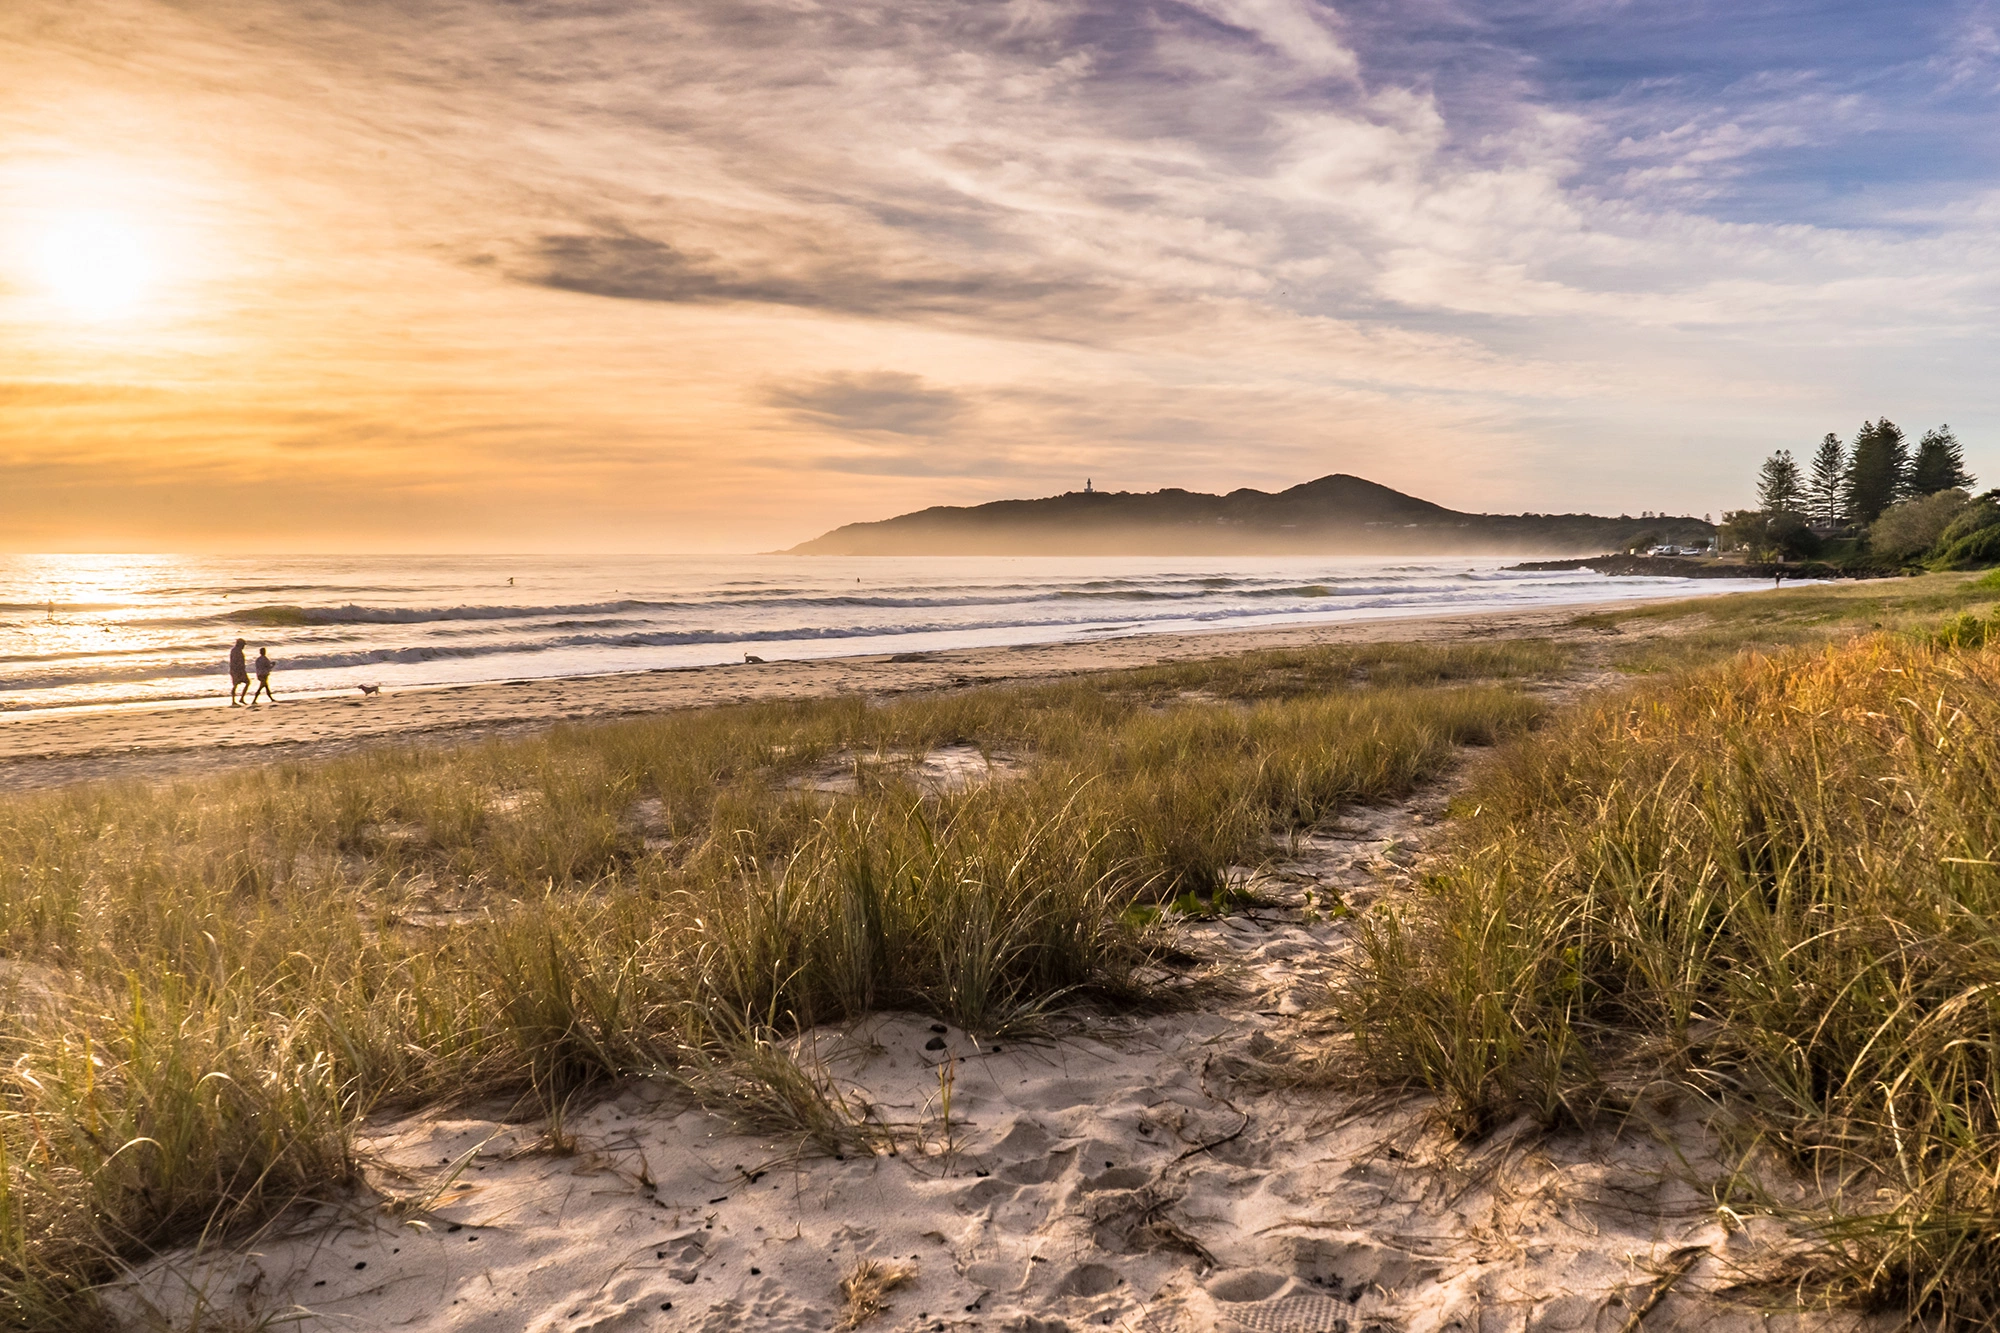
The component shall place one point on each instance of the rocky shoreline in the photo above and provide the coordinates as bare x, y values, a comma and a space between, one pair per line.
1682, 567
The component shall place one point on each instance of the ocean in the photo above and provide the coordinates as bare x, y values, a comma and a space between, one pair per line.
108, 631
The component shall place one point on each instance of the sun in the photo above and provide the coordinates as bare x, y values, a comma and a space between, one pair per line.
95, 263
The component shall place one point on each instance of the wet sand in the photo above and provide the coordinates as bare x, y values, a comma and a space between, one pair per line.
55, 748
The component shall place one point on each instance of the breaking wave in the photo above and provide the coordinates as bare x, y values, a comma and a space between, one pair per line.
332, 623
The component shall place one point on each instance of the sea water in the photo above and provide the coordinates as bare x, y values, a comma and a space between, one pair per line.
127, 630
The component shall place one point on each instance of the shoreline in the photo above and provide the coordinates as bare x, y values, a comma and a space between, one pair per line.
467, 637
59, 748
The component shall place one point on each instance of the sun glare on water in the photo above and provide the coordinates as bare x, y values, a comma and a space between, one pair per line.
94, 263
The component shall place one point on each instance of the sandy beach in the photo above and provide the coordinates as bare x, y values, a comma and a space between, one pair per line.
44, 749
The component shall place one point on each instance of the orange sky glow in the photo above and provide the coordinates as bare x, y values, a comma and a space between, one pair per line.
472, 277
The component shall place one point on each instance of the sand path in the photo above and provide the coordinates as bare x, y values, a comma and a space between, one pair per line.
1149, 1172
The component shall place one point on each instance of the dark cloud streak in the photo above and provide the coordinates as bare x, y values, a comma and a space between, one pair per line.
865, 404
638, 268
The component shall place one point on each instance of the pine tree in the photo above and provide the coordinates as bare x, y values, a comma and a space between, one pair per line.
1778, 485
1877, 471
1939, 465
1824, 503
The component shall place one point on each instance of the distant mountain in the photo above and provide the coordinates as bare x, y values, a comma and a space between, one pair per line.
1336, 515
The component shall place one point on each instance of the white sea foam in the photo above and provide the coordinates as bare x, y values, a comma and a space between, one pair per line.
110, 630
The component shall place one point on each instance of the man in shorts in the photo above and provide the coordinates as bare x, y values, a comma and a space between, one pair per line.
239, 676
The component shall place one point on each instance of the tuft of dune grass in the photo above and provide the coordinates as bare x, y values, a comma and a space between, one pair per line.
866, 1287
240, 968
1773, 882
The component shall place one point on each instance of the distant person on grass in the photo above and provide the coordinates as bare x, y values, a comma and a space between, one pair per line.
263, 678
239, 676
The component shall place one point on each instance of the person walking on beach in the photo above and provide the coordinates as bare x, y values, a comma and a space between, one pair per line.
239, 676
263, 678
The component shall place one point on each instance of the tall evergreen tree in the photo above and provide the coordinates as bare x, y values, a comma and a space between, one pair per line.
1877, 471
1824, 502
1939, 465
1779, 487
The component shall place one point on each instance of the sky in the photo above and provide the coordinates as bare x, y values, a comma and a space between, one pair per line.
599, 275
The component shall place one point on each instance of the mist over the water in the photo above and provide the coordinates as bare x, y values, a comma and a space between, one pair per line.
109, 630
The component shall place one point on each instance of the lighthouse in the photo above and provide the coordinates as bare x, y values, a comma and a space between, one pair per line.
1086, 487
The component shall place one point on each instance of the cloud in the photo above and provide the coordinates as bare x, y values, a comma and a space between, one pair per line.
1297, 30
632, 268
865, 404
1972, 58
29, 394
626, 266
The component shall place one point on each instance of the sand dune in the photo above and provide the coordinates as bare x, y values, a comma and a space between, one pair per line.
1148, 1172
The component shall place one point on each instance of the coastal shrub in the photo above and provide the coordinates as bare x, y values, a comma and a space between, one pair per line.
1773, 883
1914, 526
1965, 631
1975, 550
1768, 535
205, 985
1982, 512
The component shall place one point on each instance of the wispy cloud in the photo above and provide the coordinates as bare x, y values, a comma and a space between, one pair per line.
619, 264
885, 402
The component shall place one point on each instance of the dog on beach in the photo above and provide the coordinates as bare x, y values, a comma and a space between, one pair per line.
747, 657
369, 689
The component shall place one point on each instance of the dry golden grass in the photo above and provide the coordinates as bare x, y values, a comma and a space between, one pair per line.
1779, 879
865, 1290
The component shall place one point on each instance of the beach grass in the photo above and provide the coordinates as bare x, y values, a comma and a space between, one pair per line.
207, 984
1665, 637
1770, 883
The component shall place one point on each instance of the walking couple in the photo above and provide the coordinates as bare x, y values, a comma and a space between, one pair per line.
239, 677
